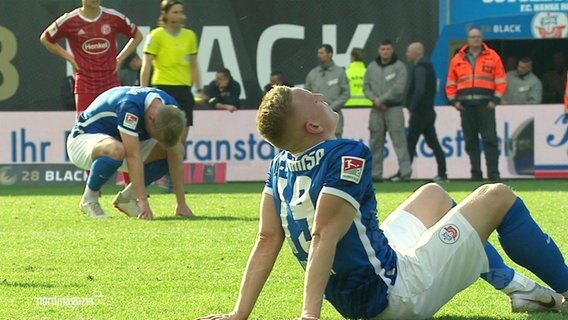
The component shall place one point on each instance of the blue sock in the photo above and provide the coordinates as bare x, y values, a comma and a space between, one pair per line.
155, 170
526, 244
101, 170
500, 274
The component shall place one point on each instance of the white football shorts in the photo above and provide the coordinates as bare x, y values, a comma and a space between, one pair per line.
80, 149
433, 264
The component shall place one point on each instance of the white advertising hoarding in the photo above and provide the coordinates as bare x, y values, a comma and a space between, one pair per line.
530, 137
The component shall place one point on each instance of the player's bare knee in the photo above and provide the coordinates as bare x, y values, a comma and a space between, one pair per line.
116, 151
497, 194
435, 194
434, 191
504, 193
109, 148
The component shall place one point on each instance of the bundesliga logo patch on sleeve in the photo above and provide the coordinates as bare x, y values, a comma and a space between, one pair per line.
130, 121
352, 168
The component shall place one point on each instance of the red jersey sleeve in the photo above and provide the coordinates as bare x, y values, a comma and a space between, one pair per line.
58, 29
123, 24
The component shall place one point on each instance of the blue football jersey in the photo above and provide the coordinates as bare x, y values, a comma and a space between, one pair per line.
364, 268
120, 109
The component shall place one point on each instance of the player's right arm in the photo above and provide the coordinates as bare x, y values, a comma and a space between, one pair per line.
151, 50
54, 47
145, 70
261, 261
136, 172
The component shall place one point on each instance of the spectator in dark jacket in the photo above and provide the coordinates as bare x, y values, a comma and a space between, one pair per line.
420, 103
224, 91
130, 71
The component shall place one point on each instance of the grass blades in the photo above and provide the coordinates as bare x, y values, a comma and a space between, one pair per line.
56, 263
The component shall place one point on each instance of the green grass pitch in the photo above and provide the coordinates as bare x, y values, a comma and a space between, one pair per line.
56, 263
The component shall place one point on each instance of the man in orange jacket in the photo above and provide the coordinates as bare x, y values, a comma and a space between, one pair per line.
475, 85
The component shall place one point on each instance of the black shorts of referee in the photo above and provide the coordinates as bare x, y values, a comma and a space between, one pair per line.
184, 97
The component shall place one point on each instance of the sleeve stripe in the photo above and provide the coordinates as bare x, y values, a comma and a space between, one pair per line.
113, 12
268, 191
128, 132
150, 98
341, 194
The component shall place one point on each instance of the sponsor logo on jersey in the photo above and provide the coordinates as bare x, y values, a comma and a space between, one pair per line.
352, 168
449, 234
96, 46
130, 121
105, 29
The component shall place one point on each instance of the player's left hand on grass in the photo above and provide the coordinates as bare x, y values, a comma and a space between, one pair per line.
184, 211
145, 211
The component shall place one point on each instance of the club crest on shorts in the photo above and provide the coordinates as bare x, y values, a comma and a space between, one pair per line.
352, 168
130, 121
449, 234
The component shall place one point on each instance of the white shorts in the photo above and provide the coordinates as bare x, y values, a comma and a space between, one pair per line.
80, 149
433, 264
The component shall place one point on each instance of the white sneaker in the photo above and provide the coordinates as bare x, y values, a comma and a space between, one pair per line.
93, 210
564, 308
538, 299
126, 206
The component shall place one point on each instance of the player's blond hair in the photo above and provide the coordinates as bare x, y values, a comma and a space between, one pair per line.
273, 115
170, 124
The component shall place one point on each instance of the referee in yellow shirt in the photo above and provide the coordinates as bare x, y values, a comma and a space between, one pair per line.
171, 50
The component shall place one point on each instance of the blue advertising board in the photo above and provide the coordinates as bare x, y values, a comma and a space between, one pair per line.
457, 11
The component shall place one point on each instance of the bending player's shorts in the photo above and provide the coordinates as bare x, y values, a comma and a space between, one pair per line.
433, 264
80, 149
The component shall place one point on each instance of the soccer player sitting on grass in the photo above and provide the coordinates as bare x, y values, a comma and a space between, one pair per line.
135, 130
319, 196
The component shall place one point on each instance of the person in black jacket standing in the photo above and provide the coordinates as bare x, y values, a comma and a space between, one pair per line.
420, 103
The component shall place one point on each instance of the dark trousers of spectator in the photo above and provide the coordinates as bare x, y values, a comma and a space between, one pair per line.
477, 120
419, 124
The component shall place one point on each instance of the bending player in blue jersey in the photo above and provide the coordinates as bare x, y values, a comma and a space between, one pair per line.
135, 130
319, 196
